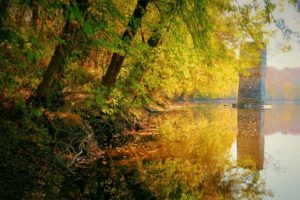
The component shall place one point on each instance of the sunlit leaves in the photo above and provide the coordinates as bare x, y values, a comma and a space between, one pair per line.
197, 55
76, 13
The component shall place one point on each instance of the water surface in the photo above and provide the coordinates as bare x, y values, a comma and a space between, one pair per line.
213, 151
205, 151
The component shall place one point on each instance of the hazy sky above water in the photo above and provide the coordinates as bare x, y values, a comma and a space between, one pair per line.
279, 59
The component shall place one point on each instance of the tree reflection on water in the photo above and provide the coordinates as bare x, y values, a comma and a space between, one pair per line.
188, 157
191, 156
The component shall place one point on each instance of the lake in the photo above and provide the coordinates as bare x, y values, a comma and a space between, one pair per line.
205, 151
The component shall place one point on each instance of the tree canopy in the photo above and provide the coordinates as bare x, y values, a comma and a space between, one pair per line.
75, 72
152, 49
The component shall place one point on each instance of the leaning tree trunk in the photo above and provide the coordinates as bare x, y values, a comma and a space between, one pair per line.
110, 77
34, 14
50, 89
140, 68
3, 12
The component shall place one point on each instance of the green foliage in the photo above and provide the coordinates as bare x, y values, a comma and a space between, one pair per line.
24, 150
197, 51
181, 48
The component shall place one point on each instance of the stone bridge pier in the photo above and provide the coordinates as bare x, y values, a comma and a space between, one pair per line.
250, 114
251, 93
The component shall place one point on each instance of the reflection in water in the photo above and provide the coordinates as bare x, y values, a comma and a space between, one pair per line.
250, 138
282, 118
188, 157
194, 155
193, 158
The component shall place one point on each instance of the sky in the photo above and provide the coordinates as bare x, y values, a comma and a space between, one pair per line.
277, 58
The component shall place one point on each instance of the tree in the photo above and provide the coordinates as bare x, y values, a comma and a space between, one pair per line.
50, 89
110, 77
3, 11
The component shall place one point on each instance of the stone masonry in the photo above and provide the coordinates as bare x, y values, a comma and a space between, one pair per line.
252, 85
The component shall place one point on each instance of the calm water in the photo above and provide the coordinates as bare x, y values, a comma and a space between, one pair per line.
207, 151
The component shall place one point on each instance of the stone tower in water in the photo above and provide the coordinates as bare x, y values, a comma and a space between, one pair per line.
252, 84
250, 113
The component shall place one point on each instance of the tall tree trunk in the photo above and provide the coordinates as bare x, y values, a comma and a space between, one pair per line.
3, 12
35, 14
110, 77
50, 89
